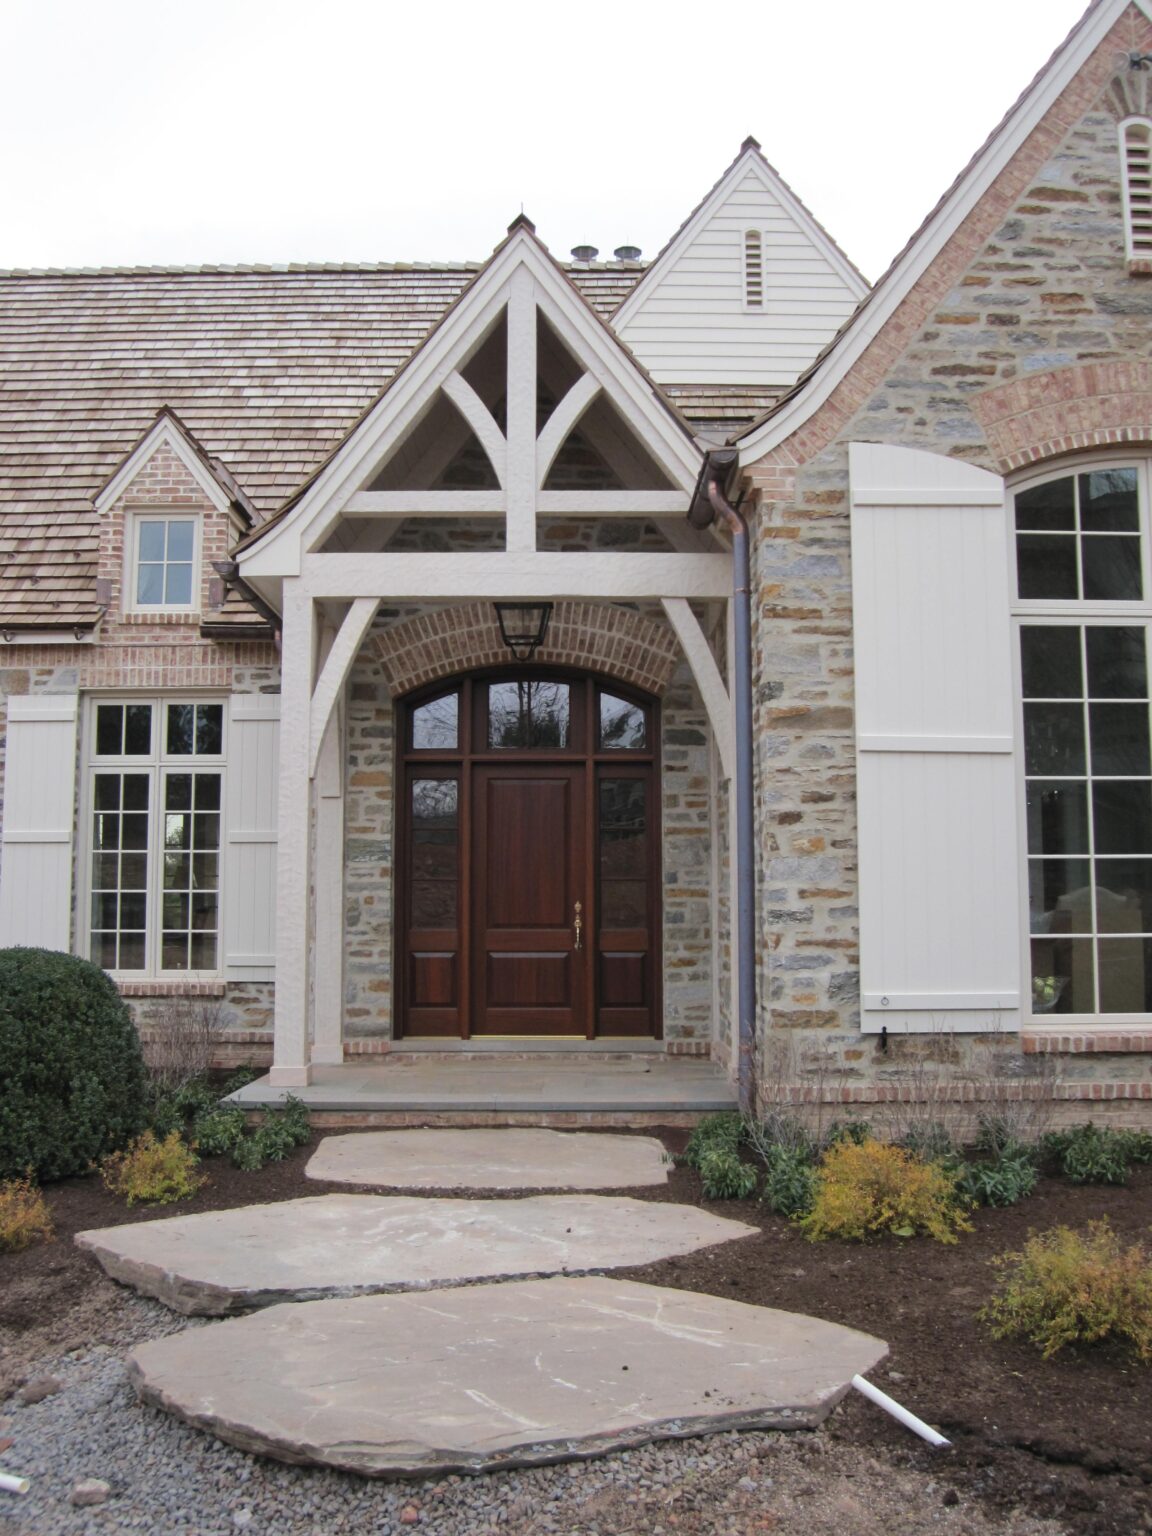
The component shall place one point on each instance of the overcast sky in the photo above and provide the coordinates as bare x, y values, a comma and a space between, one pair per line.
150, 131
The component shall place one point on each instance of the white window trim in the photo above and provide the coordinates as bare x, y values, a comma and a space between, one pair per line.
132, 521
155, 765
1077, 614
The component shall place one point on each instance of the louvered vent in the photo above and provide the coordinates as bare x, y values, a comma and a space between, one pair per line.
753, 270
1137, 151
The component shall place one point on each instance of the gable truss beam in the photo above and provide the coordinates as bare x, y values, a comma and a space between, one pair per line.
561, 422
481, 420
526, 574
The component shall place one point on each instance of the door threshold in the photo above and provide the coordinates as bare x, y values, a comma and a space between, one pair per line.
532, 1044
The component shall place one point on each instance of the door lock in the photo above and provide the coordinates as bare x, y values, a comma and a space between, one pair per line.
578, 924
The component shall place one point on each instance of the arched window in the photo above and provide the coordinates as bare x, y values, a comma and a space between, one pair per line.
1085, 671
1136, 163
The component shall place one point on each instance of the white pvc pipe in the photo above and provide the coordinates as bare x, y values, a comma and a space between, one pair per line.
10, 1483
890, 1405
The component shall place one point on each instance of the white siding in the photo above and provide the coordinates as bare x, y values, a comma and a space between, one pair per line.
250, 843
39, 811
690, 323
937, 790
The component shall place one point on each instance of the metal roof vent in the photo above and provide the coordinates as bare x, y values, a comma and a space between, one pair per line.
584, 253
627, 253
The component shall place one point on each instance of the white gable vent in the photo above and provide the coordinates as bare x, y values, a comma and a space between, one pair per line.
753, 269
1136, 154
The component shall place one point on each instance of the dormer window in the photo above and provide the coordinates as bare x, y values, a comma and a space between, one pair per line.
163, 565
753, 269
1136, 159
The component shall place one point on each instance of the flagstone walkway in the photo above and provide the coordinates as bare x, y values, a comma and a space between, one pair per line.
451, 1376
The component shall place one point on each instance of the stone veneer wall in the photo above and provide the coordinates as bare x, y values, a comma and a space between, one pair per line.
442, 641
158, 653
1026, 337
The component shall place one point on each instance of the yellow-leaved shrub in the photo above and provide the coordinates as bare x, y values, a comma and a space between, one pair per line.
24, 1215
1070, 1287
870, 1188
151, 1171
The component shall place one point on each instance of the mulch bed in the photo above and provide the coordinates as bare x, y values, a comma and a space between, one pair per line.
1069, 1438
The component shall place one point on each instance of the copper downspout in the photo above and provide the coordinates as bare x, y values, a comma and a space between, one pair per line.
710, 504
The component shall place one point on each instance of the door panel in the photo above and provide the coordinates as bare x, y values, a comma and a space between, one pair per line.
522, 796
529, 860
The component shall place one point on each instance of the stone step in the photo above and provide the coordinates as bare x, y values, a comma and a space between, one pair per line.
498, 1376
217, 1262
489, 1159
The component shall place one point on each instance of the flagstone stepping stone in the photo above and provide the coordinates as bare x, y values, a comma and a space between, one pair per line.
344, 1245
491, 1376
494, 1159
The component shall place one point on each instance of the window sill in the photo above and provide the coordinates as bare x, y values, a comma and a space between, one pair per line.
161, 616
1086, 1039
178, 986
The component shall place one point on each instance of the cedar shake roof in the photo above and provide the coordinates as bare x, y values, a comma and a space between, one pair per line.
267, 366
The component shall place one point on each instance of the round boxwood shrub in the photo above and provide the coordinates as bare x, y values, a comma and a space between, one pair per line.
73, 1075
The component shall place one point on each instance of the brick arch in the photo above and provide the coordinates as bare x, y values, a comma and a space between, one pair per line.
596, 637
1067, 410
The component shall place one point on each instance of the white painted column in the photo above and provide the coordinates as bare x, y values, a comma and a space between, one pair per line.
291, 1055
328, 1029
521, 429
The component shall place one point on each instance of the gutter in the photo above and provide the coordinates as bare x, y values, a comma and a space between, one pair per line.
229, 573
709, 506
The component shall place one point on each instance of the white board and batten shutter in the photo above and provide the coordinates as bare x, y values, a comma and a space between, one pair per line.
250, 841
939, 853
39, 814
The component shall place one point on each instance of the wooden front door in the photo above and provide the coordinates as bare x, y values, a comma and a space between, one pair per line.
528, 889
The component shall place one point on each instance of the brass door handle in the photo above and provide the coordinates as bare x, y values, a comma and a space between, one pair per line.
578, 924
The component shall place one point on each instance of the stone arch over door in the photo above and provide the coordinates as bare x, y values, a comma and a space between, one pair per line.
593, 637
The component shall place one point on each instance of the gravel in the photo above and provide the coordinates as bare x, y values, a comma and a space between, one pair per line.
166, 1478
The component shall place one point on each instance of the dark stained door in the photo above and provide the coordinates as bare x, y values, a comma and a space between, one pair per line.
530, 934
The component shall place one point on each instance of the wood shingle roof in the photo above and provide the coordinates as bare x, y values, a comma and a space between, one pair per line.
268, 367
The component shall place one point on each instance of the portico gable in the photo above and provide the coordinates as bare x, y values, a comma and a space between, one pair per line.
520, 409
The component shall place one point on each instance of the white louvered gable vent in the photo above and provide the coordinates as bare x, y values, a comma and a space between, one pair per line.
753, 269
1136, 152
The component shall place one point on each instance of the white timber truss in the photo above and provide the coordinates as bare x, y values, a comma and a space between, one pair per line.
325, 563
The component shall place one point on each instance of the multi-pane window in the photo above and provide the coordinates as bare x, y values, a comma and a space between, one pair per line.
1087, 742
164, 562
154, 835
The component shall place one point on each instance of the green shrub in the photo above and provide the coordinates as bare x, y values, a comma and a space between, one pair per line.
24, 1215
219, 1130
931, 1142
248, 1155
73, 1075
870, 1188
858, 1131
1091, 1154
1069, 1287
790, 1180
1004, 1180
724, 1176
723, 1130
295, 1121
151, 1171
